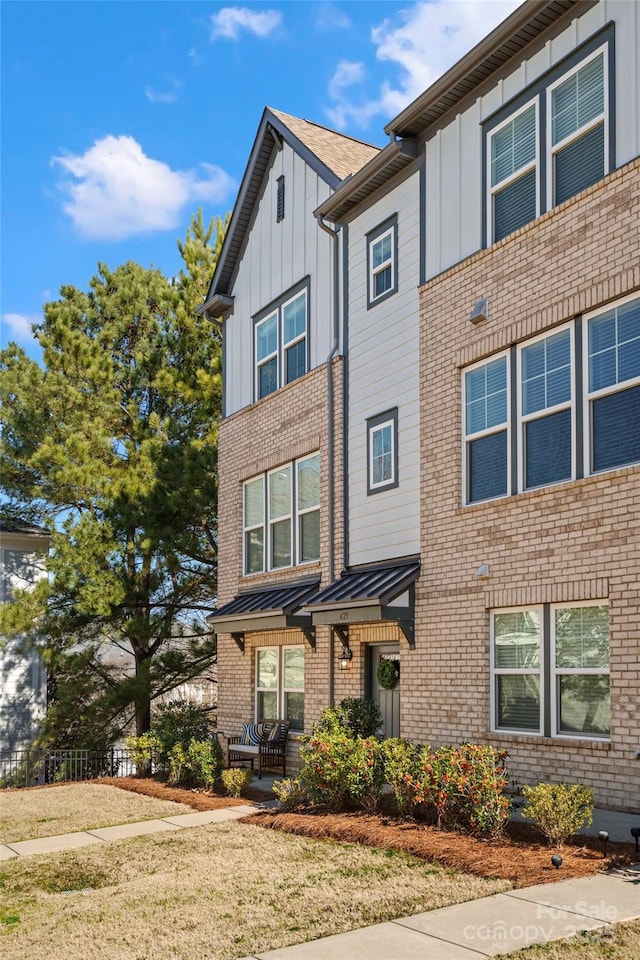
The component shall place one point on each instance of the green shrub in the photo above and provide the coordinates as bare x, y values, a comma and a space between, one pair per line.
559, 809
355, 716
464, 788
236, 780
199, 764
291, 793
177, 764
341, 772
141, 750
177, 722
401, 760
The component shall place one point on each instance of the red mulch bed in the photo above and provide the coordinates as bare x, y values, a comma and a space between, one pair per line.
197, 799
522, 856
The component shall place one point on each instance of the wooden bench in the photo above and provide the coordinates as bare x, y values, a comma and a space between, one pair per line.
270, 752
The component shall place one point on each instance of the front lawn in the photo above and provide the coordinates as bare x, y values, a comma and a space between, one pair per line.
211, 893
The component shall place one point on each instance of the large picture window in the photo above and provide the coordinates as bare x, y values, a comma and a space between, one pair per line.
552, 141
550, 670
540, 432
281, 516
280, 685
281, 347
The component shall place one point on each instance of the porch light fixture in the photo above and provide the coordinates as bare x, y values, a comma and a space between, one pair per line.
604, 836
345, 657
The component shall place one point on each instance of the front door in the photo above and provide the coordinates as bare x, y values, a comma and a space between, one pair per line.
387, 699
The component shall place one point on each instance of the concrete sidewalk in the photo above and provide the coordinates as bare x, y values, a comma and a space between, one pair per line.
70, 841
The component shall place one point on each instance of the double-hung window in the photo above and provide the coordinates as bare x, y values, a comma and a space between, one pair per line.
382, 261
281, 344
552, 141
546, 414
280, 685
613, 386
486, 427
550, 670
514, 172
382, 458
570, 420
281, 516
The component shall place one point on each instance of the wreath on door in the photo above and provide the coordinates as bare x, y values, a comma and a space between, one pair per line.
388, 673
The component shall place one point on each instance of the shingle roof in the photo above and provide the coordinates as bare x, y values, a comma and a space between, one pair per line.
342, 154
26, 529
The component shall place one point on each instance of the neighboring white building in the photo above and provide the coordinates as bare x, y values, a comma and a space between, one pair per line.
23, 679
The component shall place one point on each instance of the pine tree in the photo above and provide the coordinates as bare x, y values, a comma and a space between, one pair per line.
112, 443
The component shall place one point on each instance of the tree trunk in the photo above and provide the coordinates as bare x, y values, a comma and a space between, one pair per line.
143, 692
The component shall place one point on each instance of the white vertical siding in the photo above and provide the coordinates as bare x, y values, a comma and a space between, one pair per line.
454, 153
276, 256
383, 373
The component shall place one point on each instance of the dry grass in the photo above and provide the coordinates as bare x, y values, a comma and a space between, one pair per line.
216, 892
621, 942
49, 811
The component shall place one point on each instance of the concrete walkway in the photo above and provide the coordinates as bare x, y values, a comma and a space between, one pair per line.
467, 931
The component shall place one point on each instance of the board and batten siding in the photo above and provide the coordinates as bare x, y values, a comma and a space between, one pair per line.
277, 256
454, 182
383, 374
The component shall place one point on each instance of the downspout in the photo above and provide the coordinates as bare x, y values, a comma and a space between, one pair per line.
333, 233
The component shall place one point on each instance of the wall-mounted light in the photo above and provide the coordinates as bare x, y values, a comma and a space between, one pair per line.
345, 657
480, 311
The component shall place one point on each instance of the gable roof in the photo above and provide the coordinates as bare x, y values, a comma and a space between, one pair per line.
506, 42
21, 527
333, 156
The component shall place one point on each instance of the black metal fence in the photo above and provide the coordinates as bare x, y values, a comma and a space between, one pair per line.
30, 768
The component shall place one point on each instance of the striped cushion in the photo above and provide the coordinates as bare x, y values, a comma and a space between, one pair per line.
276, 733
252, 734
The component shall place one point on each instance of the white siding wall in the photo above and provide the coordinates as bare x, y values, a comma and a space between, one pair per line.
23, 680
275, 258
383, 373
454, 153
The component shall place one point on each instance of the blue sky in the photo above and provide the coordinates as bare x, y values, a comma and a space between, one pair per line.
120, 119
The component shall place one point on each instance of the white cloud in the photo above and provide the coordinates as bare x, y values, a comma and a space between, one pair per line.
19, 326
331, 17
115, 191
229, 21
423, 41
163, 96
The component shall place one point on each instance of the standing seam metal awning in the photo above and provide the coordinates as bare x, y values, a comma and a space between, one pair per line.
366, 593
272, 607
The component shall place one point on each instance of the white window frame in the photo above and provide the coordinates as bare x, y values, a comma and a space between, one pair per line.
269, 357
591, 395
304, 511
268, 521
283, 518
603, 117
478, 435
256, 526
533, 164
524, 419
281, 690
390, 262
557, 672
385, 425
280, 352
516, 671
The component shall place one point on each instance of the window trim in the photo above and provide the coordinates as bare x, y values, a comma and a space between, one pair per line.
276, 308
388, 418
591, 395
280, 686
389, 226
467, 438
284, 518
267, 522
603, 38
548, 672
492, 191
524, 419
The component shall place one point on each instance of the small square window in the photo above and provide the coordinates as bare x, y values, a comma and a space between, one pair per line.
382, 257
382, 452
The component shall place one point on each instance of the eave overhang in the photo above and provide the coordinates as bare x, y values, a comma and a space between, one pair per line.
217, 307
369, 593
